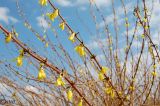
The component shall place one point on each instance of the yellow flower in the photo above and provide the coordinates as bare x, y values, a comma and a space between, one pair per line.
69, 95
60, 81
127, 24
43, 2
145, 20
139, 24
104, 69
108, 90
132, 88
53, 15
46, 44
143, 36
21, 52
101, 76
112, 94
146, 27
155, 66
154, 73
120, 93
62, 25
80, 103
8, 38
126, 19
150, 49
127, 97
19, 60
14, 31
41, 74
72, 37
80, 50
118, 64
16, 34
134, 79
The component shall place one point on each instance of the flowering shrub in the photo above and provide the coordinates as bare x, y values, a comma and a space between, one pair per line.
53, 74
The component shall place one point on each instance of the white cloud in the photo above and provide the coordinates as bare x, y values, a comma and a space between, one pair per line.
119, 11
108, 20
5, 17
155, 20
137, 44
42, 22
83, 8
32, 89
3, 87
67, 3
97, 43
64, 3
93, 45
103, 2
99, 3
139, 32
100, 57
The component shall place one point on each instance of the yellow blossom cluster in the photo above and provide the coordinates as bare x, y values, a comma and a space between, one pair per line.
43, 2
20, 58
8, 38
102, 72
110, 92
41, 74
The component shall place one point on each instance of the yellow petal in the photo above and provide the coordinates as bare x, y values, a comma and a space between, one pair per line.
108, 90
139, 24
112, 94
132, 88
72, 37
8, 38
19, 61
50, 16
56, 13
145, 20
101, 76
60, 81
69, 95
46, 44
41, 74
127, 24
16, 34
143, 36
126, 19
128, 97
120, 93
104, 69
146, 27
80, 103
53, 15
80, 50
154, 73
62, 25
43, 2
21, 52
155, 66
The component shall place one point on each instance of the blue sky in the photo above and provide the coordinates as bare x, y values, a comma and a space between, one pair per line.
78, 15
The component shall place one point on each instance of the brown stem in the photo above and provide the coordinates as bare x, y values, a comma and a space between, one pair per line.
42, 60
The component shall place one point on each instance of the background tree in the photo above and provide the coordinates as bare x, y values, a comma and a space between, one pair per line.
101, 53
